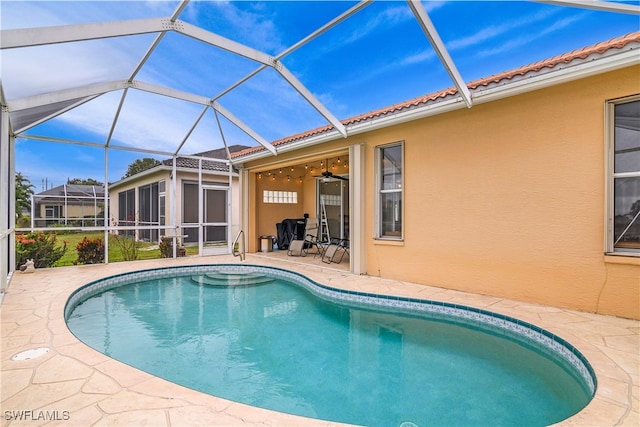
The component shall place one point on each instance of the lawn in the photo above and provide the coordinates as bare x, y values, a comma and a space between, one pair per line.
146, 250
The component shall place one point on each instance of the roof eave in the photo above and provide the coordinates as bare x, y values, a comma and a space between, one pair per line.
560, 74
165, 168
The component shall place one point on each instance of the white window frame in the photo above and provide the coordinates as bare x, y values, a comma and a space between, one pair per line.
379, 191
282, 197
611, 176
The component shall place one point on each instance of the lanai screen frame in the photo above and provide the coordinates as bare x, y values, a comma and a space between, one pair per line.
47, 106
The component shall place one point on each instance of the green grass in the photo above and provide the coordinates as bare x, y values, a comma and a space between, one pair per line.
146, 250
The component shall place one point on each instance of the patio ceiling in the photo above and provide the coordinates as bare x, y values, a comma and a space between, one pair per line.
202, 104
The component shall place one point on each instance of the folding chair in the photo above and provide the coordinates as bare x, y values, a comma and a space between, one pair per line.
335, 251
299, 247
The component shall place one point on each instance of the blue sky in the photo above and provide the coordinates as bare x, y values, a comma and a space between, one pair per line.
376, 58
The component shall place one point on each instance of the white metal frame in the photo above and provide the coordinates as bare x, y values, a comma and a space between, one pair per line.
379, 191
611, 176
74, 97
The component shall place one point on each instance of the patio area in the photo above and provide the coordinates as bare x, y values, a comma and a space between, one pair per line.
74, 385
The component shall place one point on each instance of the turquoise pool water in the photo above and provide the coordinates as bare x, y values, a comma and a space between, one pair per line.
270, 340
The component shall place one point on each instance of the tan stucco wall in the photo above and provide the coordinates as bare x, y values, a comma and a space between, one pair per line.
114, 190
274, 213
508, 199
72, 210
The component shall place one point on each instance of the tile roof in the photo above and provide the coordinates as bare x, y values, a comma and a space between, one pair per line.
220, 153
496, 79
74, 190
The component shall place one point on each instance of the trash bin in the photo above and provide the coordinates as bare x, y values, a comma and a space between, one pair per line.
266, 244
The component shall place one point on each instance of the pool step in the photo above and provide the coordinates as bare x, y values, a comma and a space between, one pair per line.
231, 279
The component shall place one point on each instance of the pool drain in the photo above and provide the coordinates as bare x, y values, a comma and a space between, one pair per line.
408, 424
30, 354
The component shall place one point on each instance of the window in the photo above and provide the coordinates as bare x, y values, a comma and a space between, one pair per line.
290, 197
127, 211
148, 211
389, 161
623, 230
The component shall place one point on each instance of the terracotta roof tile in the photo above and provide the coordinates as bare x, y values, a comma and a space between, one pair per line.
566, 58
220, 153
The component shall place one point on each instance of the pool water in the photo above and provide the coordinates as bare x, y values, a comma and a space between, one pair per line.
273, 344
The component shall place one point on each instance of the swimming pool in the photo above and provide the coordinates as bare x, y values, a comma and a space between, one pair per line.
280, 341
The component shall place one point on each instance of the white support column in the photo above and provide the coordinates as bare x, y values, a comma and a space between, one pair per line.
39, 36
66, 213
357, 209
311, 99
200, 210
433, 36
174, 205
105, 217
12, 202
230, 218
246, 129
6, 195
244, 202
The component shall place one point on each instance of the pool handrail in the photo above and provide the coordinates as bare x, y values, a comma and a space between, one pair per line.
236, 251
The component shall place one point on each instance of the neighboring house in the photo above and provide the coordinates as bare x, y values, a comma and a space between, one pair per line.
143, 200
532, 194
72, 205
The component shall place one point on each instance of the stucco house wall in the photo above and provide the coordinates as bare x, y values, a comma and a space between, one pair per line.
506, 198
134, 183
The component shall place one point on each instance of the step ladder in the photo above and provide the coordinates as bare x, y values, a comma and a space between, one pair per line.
323, 235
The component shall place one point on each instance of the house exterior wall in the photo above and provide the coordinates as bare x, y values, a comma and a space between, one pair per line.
182, 177
135, 184
508, 199
73, 209
273, 213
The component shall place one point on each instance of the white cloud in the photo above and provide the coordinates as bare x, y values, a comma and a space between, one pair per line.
424, 56
252, 27
493, 31
44, 69
527, 38
388, 17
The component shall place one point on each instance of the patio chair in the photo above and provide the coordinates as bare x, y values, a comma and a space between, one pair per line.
335, 251
300, 247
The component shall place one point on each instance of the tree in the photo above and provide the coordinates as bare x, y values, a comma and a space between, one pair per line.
141, 165
80, 181
24, 191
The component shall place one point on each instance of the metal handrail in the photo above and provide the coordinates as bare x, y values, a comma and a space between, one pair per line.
236, 246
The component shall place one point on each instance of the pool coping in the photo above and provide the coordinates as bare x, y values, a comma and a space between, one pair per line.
97, 390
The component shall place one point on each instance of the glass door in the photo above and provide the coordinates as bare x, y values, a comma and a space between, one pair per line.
215, 220
333, 208
205, 217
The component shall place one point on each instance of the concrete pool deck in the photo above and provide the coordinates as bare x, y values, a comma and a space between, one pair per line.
74, 385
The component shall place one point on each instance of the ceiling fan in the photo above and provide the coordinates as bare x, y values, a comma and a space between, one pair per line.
330, 175
327, 174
